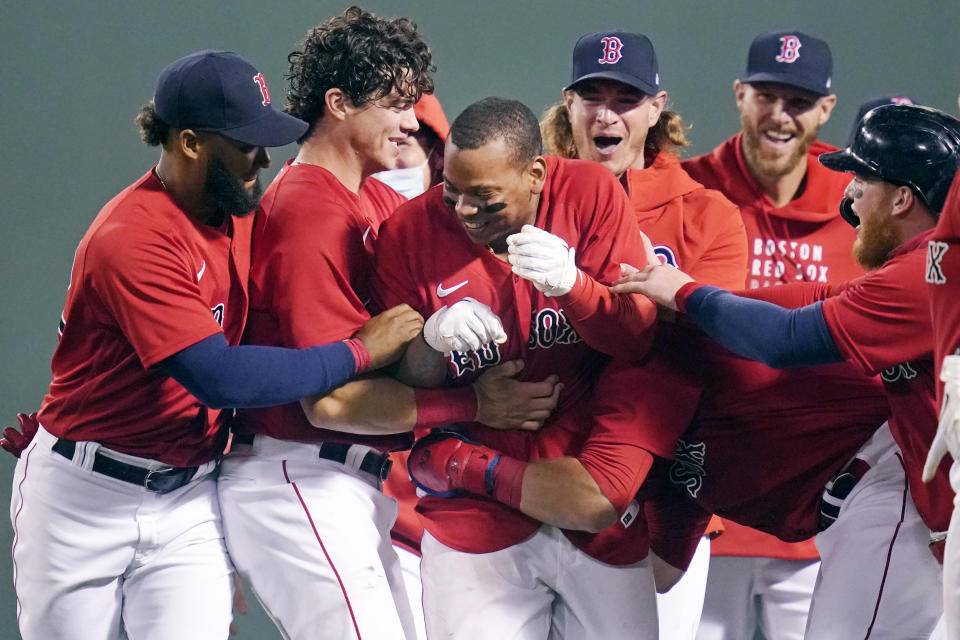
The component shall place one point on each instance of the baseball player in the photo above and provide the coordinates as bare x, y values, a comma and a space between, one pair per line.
310, 472
117, 530
789, 207
613, 112
941, 273
902, 160
527, 242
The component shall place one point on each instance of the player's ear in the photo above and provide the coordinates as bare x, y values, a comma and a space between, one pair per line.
658, 101
536, 174
739, 90
903, 201
826, 104
188, 143
336, 103
568, 98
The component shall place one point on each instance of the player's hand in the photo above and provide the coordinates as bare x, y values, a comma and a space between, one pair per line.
239, 601
464, 326
544, 259
659, 282
948, 431
386, 335
16, 441
503, 402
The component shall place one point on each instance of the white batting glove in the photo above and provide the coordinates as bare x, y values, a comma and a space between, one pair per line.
465, 326
544, 259
948, 431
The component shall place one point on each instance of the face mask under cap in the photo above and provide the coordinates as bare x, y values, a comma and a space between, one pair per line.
407, 182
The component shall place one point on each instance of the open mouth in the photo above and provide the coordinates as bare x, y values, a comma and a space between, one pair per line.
606, 145
474, 225
778, 137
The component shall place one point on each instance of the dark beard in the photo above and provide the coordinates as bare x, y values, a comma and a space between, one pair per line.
227, 195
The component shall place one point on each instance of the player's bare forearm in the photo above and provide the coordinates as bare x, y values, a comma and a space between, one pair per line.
369, 406
561, 492
421, 366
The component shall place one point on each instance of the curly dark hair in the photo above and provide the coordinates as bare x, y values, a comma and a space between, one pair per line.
499, 119
153, 130
365, 56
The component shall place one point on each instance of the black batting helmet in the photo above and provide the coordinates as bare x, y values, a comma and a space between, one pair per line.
908, 145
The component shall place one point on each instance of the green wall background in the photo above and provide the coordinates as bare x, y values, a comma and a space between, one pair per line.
74, 73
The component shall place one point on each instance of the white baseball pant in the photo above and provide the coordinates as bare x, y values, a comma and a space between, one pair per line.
312, 539
878, 579
96, 558
679, 609
410, 566
951, 564
539, 589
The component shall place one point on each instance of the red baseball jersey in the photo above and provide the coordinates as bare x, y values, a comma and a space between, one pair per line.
756, 445
584, 204
942, 275
805, 240
148, 281
309, 280
881, 323
692, 228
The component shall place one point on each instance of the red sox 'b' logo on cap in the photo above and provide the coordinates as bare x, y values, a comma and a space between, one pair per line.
611, 50
262, 83
789, 49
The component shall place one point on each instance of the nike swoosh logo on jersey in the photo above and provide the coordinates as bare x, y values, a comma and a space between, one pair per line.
202, 269
443, 293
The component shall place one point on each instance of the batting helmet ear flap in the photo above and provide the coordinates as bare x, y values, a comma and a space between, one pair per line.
847, 213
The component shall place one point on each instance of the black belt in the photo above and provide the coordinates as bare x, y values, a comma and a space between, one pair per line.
159, 480
374, 463
837, 490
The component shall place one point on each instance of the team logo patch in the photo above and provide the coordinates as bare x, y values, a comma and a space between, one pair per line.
549, 327
935, 253
218, 313
264, 92
687, 469
896, 373
789, 49
666, 255
900, 100
612, 50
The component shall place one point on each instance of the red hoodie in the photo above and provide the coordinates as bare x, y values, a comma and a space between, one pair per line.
692, 228
804, 240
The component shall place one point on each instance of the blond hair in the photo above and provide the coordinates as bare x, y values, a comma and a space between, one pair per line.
666, 135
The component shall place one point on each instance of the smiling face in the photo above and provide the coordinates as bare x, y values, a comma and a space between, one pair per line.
779, 123
610, 121
490, 196
379, 128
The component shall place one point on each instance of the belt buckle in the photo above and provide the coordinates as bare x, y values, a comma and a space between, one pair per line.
153, 480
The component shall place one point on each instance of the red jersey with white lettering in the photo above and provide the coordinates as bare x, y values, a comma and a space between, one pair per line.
806, 240
758, 445
692, 228
881, 324
942, 276
309, 280
583, 203
148, 281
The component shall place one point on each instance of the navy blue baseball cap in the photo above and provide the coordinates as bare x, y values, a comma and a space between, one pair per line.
616, 55
219, 91
791, 58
